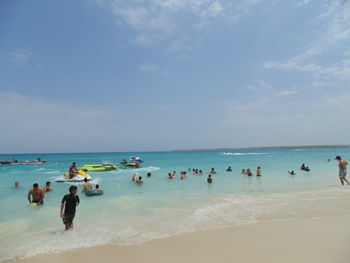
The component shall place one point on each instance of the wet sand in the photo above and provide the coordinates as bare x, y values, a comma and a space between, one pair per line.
307, 240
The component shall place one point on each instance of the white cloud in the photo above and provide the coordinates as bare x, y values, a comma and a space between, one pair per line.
40, 125
285, 93
149, 67
334, 25
168, 21
19, 57
179, 46
302, 2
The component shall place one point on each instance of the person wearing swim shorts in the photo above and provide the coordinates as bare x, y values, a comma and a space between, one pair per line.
342, 170
258, 171
86, 186
37, 195
69, 203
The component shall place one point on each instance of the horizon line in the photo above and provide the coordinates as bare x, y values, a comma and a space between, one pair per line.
199, 149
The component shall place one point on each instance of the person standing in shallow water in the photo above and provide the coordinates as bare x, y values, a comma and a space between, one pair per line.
86, 186
258, 171
342, 170
209, 180
37, 195
69, 203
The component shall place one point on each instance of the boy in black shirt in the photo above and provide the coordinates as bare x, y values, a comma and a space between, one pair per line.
69, 202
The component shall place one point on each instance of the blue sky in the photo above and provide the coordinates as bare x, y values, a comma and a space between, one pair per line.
137, 75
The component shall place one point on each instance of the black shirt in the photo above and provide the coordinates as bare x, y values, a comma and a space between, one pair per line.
71, 203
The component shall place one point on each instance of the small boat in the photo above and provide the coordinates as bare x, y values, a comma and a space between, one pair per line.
98, 167
126, 165
23, 163
79, 177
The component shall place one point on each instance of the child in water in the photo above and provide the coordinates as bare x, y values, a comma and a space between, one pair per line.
249, 172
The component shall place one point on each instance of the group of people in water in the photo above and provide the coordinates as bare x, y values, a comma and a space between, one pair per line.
250, 173
70, 201
196, 172
303, 167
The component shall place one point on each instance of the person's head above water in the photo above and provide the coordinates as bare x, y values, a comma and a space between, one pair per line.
85, 180
97, 186
35, 185
16, 184
48, 183
338, 158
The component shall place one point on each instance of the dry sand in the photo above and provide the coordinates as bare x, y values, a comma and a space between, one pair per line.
309, 240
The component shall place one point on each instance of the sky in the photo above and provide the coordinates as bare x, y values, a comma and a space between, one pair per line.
157, 75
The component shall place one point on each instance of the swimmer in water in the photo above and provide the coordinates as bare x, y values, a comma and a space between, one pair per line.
209, 180
47, 187
37, 195
229, 169
86, 186
213, 171
291, 172
258, 171
17, 185
243, 171
139, 180
249, 172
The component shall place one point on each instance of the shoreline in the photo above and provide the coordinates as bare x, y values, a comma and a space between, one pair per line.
319, 240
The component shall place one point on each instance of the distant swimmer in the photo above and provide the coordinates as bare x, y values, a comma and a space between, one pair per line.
47, 187
243, 171
229, 169
139, 180
213, 171
149, 174
342, 170
134, 177
328, 160
183, 176
291, 172
302, 167
98, 189
37, 195
258, 171
307, 169
69, 203
17, 185
209, 180
174, 174
200, 173
170, 176
86, 186
249, 172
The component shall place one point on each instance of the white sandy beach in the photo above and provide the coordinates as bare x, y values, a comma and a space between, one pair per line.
307, 240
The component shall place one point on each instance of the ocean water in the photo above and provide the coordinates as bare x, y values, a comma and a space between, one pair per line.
128, 213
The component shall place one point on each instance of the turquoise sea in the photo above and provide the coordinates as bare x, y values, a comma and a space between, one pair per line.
128, 213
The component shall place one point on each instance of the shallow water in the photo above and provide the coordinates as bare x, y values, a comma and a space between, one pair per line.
129, 213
